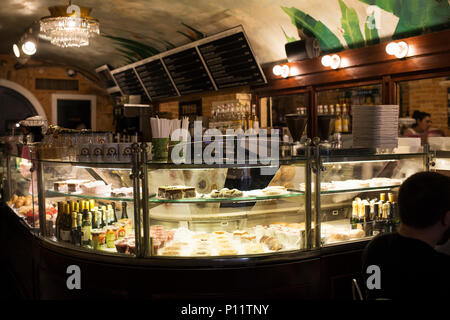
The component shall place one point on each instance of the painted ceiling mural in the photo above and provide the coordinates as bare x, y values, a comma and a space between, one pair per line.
134, 29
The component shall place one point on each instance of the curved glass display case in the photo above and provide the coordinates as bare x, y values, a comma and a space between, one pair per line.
355, 191
199, 211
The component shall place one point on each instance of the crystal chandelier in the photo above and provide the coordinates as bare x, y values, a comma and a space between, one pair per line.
69, 26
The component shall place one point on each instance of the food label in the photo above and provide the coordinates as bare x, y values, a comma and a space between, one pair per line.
65, 235
86, 233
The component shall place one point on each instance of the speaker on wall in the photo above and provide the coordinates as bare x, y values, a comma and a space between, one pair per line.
302, 49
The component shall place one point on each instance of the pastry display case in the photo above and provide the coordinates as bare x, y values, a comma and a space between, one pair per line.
228, 210
355, 191
20, 186
145, 209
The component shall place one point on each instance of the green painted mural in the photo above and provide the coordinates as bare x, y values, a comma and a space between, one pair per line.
414, 17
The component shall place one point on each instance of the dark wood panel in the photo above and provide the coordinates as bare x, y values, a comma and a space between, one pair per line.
420, 45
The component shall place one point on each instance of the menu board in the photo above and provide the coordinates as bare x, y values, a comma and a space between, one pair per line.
129, 83
156, 80
231, 62
188, 72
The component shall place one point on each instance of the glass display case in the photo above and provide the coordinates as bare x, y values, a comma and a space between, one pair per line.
20, 189
195, 211
228, 210
355, 191
94, 205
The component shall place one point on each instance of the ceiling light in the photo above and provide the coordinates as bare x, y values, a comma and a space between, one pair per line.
16, 50
69, 26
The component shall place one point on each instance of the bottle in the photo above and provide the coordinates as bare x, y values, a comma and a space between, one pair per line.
95, 220
74, 229
319, 109
331, 110
338, 120
345, 120
66, 224
59, 219
104, 217
79, 227
394, 210
355, 212
114, 215
124, 210
325, 109
255, 119
86, 228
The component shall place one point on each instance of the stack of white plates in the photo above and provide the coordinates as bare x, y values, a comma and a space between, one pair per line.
375, 126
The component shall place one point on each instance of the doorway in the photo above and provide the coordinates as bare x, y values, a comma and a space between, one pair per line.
74, 111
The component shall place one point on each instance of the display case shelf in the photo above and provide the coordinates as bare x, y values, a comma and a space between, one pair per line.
359, 189
222, 200
54, 194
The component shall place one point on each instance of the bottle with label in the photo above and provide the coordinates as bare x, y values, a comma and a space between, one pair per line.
355, 213
74, 229
338, 120
66, 224
95, 219
395, 219
86, 228
331, 110
345, 120
325, 109
79, 227
124, 210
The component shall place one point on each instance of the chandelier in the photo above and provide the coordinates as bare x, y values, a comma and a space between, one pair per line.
69, 26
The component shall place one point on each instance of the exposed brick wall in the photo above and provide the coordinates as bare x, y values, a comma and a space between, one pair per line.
428, 95
26, 77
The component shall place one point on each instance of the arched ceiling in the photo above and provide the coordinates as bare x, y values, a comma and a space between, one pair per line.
269, 24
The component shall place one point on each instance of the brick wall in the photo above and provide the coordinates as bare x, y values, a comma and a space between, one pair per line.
26, 77
428, 95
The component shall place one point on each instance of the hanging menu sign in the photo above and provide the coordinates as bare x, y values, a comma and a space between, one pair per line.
129, 83
156, 80
188, 72
231, 62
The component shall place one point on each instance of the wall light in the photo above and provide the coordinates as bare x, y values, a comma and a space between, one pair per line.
333, 61
281, 70
29, 47
16, 50
398, 49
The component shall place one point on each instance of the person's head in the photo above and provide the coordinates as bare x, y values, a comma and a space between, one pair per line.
423, 120
424, 202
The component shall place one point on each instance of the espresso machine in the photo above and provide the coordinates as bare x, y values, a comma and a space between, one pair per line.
325, 130
296, 123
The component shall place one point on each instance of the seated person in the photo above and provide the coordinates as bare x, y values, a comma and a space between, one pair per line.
409, 265
422, 128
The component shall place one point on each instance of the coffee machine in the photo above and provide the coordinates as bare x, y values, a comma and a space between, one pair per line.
325, 129
296, 123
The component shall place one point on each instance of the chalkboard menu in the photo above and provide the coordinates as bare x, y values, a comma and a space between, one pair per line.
187, 71
231, 62
156, 80
129, 83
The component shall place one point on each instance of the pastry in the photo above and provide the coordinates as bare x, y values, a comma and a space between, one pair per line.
176, 192
96, 187
287, 173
